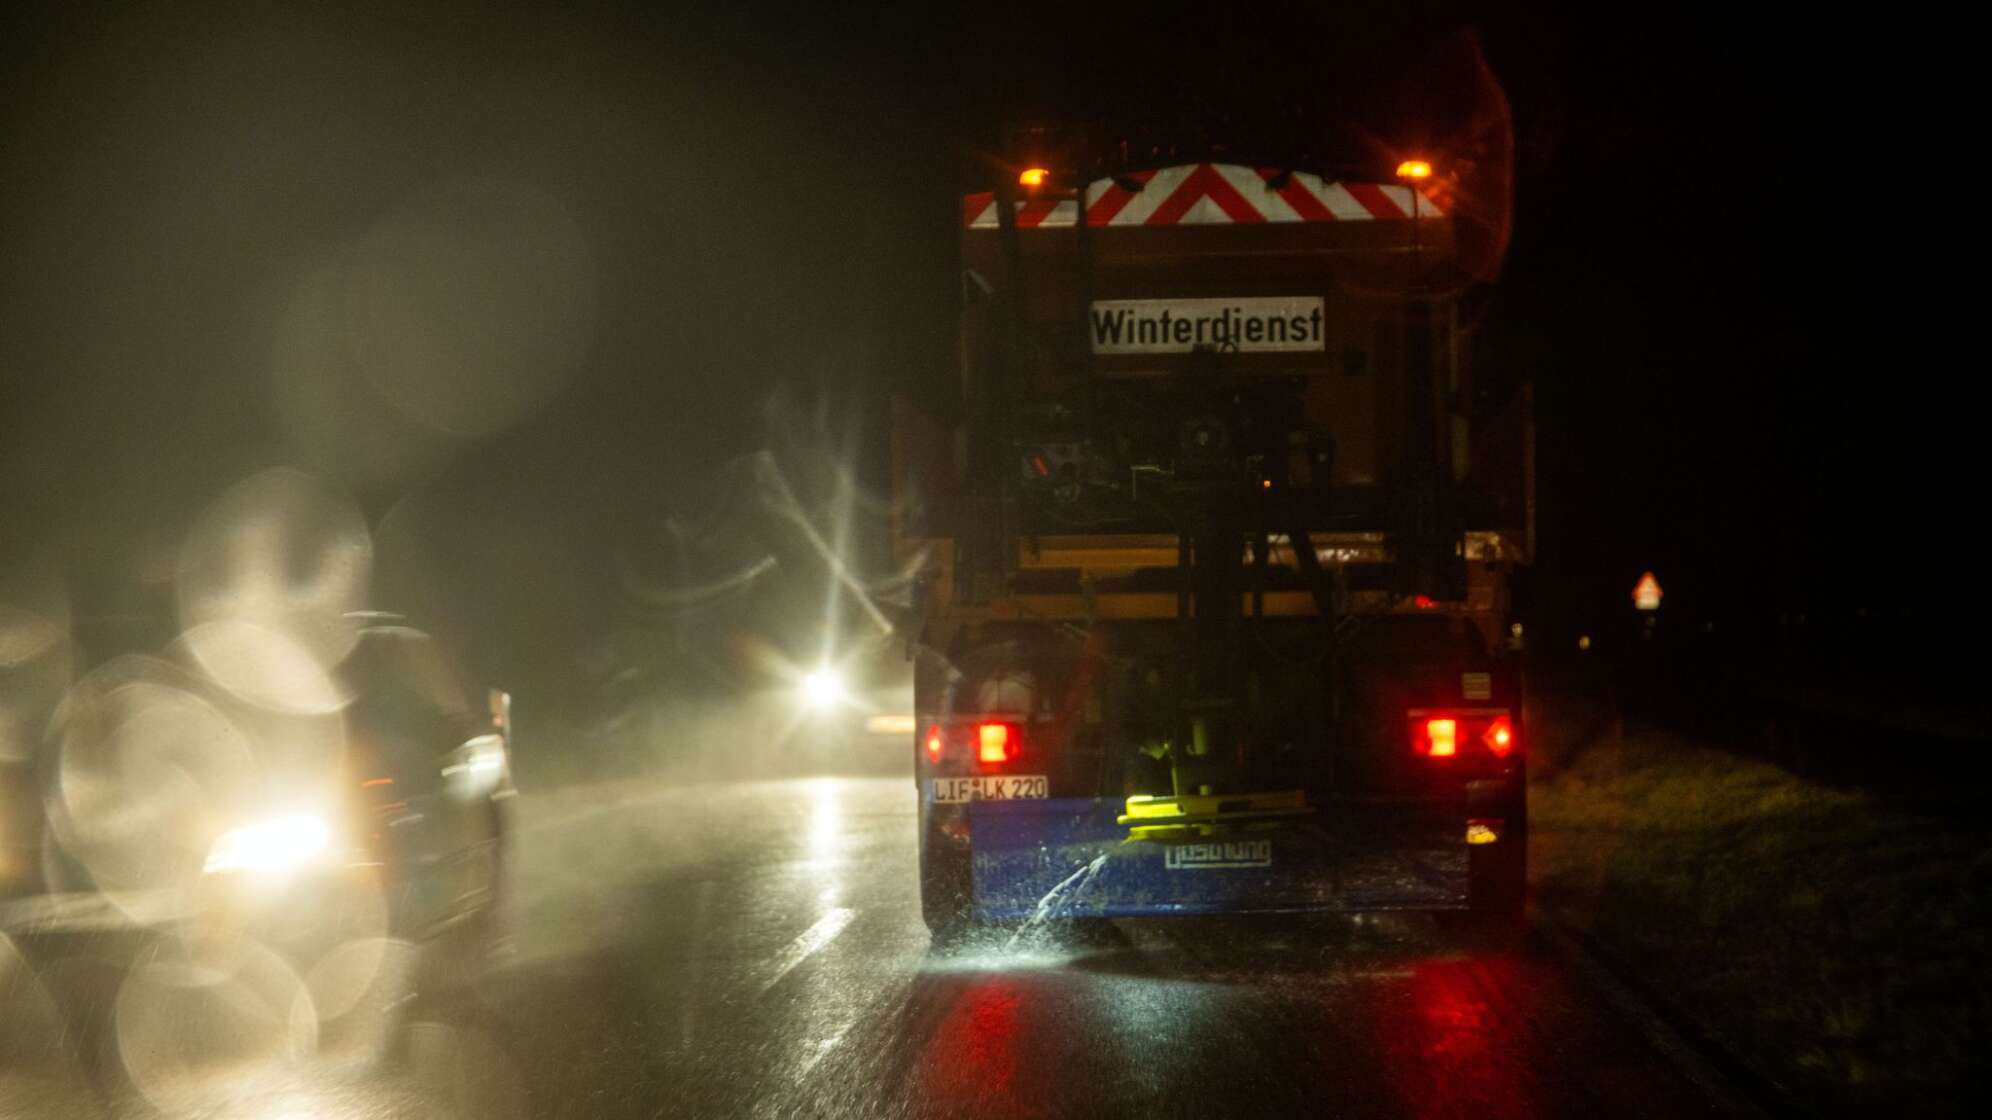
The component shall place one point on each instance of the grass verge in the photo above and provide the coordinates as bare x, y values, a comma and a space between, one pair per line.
1836, 943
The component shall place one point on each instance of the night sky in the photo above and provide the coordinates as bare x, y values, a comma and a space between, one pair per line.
1723, 281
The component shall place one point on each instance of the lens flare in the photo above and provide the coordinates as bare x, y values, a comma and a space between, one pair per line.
145, 765
469, 306
823, 688
202, 1015
353, 991
267, 582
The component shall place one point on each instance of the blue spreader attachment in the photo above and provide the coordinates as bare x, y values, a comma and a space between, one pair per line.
1352, 854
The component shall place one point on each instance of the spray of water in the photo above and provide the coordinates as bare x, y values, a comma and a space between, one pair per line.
1074, 884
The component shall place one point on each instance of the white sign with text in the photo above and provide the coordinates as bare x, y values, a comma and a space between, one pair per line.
1177, 326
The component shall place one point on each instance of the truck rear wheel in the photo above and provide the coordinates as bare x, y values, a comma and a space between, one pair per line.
945, 886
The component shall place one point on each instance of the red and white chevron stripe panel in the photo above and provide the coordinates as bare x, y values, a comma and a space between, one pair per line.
1212, 194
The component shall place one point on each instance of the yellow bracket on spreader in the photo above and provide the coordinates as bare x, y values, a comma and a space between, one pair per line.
1202, 816
1144, 808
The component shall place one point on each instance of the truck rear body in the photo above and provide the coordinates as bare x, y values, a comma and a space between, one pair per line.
1214, 557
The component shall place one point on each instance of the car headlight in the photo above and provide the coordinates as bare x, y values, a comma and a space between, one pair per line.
273, 845
823, 688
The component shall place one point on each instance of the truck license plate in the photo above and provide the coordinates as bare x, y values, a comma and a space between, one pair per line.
1008, 787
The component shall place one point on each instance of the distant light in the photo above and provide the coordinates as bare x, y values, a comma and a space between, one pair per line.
1265, 484
1424, 602
1584, 642
1479, 833
1646, 593
890, 725
1034, 176
1414, 169
1515, 629
823, 688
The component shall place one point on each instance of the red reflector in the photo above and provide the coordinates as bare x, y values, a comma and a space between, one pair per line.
1441, 737
1500, 737
934, 744
993, 742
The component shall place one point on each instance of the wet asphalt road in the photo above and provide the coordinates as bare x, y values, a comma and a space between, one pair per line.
756, 950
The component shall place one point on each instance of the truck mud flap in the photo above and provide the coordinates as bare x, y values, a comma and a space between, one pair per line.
1037, 859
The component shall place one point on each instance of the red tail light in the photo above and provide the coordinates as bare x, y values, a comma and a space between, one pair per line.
934, 743
992, 742
1462, 733
1441, 737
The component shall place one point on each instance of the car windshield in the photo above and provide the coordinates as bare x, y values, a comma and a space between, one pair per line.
405, 699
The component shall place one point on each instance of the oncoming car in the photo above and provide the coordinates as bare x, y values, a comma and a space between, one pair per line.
176, 812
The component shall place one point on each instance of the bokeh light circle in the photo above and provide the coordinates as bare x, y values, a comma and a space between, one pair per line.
267, 582
470, 305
